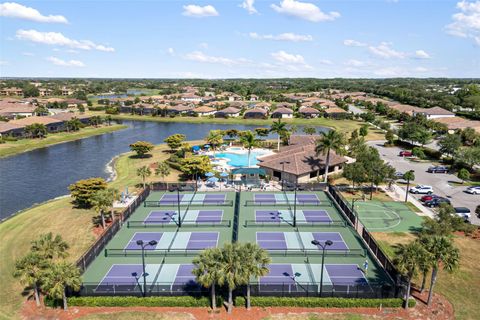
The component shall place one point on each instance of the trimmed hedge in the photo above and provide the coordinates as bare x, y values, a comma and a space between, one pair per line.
314, 302
180, 301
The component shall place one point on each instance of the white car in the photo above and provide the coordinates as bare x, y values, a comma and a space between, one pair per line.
421, 189
473, 190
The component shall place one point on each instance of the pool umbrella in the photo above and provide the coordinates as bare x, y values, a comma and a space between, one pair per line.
206, 146
223, 174
196, 148
212, 179
209, 174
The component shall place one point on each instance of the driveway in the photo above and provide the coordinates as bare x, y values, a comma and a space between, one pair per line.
440, 182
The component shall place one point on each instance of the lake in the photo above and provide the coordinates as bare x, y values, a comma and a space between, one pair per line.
42, 174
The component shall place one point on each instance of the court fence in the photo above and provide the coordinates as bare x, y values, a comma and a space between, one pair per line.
352, 217
97, 247
286, 203
300, 223
173, 186
185, 223
191, 203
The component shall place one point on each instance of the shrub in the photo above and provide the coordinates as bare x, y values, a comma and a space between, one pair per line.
180, 301
315, 302
418, 152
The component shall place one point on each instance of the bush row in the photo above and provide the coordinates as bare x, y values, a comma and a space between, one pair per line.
188, 301
315, 302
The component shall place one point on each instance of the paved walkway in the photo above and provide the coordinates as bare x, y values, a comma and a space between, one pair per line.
397, 193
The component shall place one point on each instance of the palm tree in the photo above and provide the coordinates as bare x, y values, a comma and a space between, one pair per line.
249, 142
102, 200
60, 276
424, 265
207, 268
214, 138
144, 172
409, 176
30, 270
255, 264
332, 140
162, 170
50, 247
443, 253
231, 270
407, 262
279, 128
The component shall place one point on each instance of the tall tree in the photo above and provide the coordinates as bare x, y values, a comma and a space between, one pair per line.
30, 270
60, 276
49, 246
249, 141
279, 128
329, 141
162, 170
214, 138
207, 270
443, 254
450, 144
144, 172
82, 191
230, 270
141, 148
255, 264
195, 165
175, 141
102, 201
36, 130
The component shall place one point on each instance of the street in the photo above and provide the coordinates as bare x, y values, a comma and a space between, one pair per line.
441, 183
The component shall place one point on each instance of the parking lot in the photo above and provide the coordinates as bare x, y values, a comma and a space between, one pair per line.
440, 182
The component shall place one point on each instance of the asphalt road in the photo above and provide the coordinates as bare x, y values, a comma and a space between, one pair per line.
439, 181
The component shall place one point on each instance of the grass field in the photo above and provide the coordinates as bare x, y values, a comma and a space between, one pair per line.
462, 286
23, 145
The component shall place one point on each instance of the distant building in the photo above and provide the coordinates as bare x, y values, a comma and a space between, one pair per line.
255, 113
283, 113
13, 91
308, 112
204, 111
228, 112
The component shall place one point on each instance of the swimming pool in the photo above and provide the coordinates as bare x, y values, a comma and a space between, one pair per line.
241, 160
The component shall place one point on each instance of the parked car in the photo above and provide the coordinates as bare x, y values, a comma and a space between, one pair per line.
438, 169
399, 175
422, 189
436, 202
463, 212
429, 197
405, 153
473, 190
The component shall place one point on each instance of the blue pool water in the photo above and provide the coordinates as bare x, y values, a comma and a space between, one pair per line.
240, 160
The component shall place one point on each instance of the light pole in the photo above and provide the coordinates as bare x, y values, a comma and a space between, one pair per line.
355, 212
143, 245
178, 207
324, 246
283, 171
295, 207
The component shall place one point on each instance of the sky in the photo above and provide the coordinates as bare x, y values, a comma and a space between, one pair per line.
240, 38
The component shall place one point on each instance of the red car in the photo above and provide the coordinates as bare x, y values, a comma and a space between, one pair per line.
405, 153
428, 197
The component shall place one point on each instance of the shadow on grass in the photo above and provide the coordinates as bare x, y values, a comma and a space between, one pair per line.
144, 156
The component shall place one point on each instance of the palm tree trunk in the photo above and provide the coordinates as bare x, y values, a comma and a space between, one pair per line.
424, 280
103, 219
278, 141
37, 295
143, 183
64, 297
407, 294
214, 299
327, 163
230, 300
249, 150
248, 297
371, 191
432, 284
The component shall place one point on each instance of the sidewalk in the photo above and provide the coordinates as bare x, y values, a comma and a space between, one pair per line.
398, 194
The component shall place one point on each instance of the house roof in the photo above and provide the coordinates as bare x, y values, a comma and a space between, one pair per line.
66, 116
454, 123
204, 109
17, 108
434, 111
229, 110
179, 108
31, 120
8, 126
302, 159
308, 110
256, 110
283, 111
335, 110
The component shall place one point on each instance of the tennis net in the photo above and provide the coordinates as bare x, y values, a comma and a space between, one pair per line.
316, 252
185, 223
300, 223
193, 203
286, 203
150, 253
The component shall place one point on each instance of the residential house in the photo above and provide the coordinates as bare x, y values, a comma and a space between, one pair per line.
335, 112
204, 111
282, 112
191, 98
179, 109
11, 129
253, 97
73, 103
13, 91
308, 112
52, 124
67, 91
299, 162
44, 92
434, 113
228, 112
15, 110
457, 123
255, 113
67, 116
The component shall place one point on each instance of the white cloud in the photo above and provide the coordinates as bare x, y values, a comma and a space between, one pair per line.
304, 10
355, 63
421, 54
288, 36
248, 5
192, 10
284, 57
325, 61
202, 57
15, 10
58, 39
64, 63
353, 43
466, 23
171, 51
28, 54
384, 50
421, 69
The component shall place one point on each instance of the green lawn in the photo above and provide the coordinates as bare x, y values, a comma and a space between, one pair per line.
460, 287
23, 145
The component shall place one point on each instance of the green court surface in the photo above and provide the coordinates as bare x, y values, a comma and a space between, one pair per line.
388, 216
183, 224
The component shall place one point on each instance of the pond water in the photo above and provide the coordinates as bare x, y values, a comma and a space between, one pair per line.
42, 174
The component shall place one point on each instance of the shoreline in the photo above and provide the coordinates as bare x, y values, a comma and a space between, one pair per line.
13, 149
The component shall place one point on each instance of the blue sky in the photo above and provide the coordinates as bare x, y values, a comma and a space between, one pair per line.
241, 38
